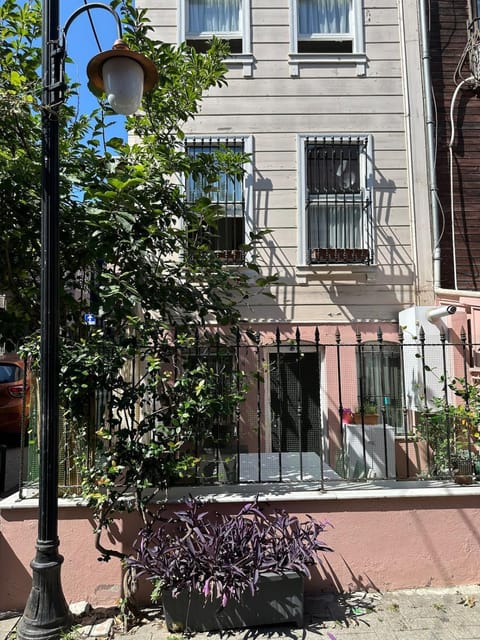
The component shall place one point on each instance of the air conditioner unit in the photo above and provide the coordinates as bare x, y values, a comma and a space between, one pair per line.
423, 365
378, 442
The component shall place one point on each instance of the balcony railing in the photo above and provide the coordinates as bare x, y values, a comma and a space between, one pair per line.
326, 407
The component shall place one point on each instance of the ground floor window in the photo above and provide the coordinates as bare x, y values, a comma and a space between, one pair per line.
380, 383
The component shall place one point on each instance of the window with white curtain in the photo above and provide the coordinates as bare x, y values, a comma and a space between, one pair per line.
380, 382
335, 176
226, 19
326, 26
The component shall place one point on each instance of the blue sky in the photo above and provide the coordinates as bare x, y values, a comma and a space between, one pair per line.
82, 46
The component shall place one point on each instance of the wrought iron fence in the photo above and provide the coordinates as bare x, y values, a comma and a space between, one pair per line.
325, 405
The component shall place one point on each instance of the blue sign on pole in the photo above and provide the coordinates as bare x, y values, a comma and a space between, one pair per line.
90, 319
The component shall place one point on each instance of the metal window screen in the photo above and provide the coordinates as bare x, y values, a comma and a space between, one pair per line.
227, 236
295, 401
337, 206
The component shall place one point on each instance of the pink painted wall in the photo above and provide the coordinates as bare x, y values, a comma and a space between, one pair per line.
83, 576
378, 544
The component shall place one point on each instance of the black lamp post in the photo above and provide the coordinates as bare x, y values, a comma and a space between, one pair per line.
124, 76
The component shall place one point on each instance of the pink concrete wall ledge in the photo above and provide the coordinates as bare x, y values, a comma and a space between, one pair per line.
384, 544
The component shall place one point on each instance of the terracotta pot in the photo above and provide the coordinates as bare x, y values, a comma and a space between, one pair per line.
418, 457
368, 418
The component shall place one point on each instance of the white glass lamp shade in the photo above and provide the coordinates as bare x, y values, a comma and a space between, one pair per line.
123, 82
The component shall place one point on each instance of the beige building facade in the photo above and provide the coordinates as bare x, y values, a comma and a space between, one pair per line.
337, 143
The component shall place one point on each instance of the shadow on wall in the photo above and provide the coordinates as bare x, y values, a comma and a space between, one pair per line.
325, 579
15, 591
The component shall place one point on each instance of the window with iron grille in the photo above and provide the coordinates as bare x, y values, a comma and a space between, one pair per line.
220, 364
227, 236
217, 444
200, 20
336, 200
380, 381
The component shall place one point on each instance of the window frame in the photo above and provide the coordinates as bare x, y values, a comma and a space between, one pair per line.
245, 58
356, 57
474, 9
366, 186
377, 362
247, 142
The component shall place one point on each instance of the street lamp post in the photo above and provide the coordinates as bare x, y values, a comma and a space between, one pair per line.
46, 614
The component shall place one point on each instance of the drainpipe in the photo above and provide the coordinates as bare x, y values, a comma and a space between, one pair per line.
431, 157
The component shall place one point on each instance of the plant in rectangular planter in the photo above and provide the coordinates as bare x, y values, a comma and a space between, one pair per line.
227, 571
367, 413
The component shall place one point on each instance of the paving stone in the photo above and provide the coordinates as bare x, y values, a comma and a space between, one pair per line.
424, 634
83, 630
423, 623
102, 629
466, 633
7, 624
80, 608
424, 614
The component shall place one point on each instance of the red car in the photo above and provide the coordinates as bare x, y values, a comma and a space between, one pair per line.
11, 393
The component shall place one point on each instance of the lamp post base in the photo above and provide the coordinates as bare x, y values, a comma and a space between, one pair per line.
46, 615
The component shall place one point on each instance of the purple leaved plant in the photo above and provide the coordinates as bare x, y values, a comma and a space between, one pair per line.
221, 556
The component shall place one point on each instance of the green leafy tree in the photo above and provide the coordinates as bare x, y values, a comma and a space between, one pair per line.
19, 166
134, 252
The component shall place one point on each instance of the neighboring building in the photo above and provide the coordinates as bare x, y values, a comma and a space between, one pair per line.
453, 47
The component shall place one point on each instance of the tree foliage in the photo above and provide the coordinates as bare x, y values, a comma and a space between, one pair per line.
20, 137
133, 251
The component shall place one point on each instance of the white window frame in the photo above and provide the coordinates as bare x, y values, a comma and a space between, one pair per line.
245, 58
247, 142
357, 57
366, 177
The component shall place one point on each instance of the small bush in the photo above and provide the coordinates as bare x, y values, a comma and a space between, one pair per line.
223, 556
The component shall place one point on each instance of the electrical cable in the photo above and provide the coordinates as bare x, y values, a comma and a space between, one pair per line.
450, 166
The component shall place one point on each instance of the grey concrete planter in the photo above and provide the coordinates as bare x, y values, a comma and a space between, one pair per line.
279, 599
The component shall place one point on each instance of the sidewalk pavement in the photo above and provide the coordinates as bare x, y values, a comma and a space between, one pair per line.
413, 614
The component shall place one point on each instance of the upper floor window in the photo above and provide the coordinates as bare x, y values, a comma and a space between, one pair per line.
231, 194
335, 200
325, 26
327, 29
200, 20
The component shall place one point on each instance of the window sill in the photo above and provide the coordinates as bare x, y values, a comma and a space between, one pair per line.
359, 60
246, 60
304, 272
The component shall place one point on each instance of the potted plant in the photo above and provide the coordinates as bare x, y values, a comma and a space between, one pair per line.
228, 571
367, 413
465, 467
452, 430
